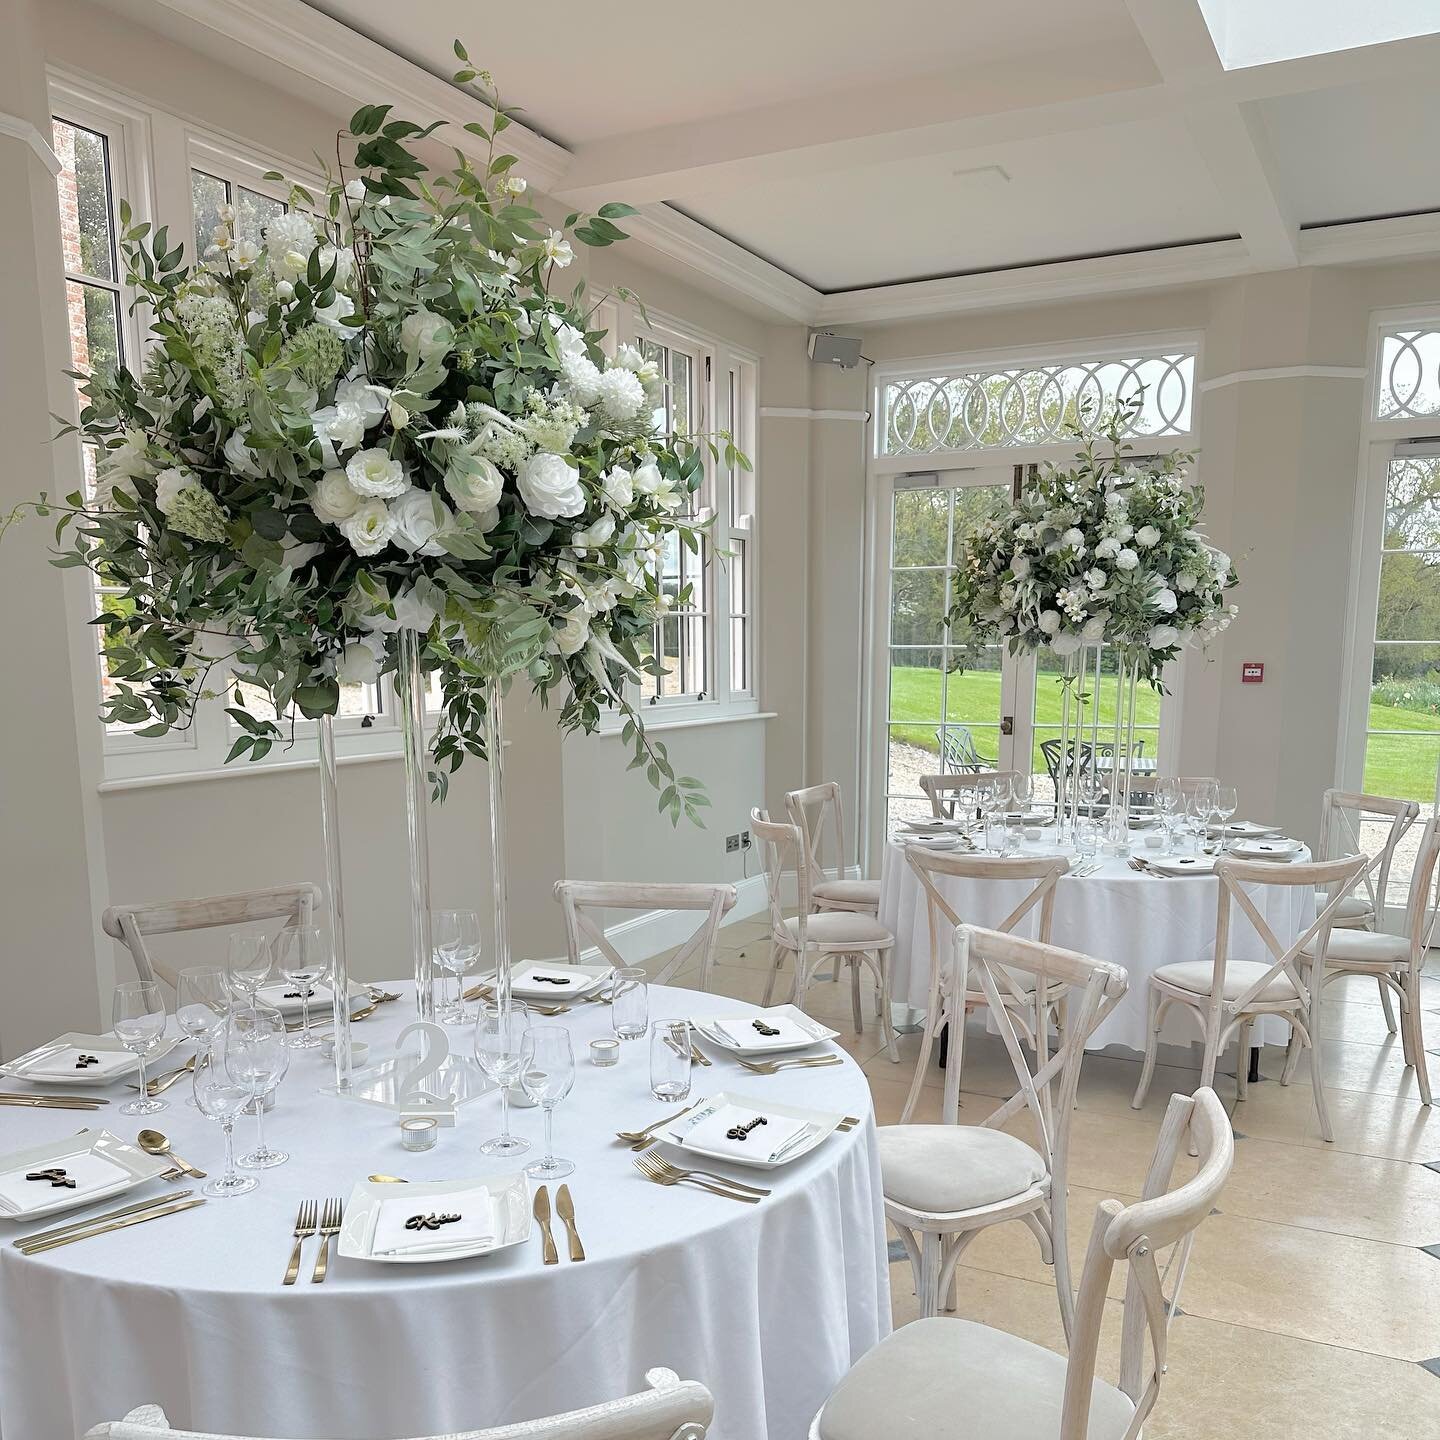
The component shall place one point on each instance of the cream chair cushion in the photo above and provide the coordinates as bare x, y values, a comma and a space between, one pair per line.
839, 927
943, 1379
944, 1168
848, 892
1199, 975
1365, 947
1352, 909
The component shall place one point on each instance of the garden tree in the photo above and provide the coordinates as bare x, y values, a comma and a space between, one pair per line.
1409, 609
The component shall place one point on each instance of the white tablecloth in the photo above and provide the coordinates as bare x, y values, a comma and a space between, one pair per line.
768, 1305
1116, 914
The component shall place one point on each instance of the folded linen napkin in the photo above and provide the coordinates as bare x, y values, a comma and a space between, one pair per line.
558, 978
91, 1173
476, 1225
65, 1063
761, 1142
740, 1031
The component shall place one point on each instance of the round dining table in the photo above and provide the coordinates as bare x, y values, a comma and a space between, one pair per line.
1139, 920
768, 1304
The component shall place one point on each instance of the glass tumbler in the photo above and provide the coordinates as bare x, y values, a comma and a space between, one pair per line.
670, 1059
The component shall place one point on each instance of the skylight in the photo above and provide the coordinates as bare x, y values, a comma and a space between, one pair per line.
1260, 32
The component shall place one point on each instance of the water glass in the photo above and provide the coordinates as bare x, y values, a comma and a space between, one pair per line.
202, 1000
1168, 801
547, 1073
455, 934
248, 966
220, 1098
1087, 839
500, 1052
257, 1056
629, 1002
137, 1014
304, 960
670, 1059
1226, 803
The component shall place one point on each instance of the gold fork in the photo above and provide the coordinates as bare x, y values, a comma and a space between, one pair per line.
304, 1229
645, 1164
664, 1167
773, 1067
329, 1225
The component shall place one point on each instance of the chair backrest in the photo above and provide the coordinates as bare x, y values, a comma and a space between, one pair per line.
584, 901
938, 787
957, 746
782, 852
1336, 877
1423, 906
1343, 816
816, 810
1081, 755
1161, 1218
131, 924
1189, 784
671, 1409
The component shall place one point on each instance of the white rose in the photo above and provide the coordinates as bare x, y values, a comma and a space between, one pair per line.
549, 487
1107, 549
355, 189
1147, 536
618, 488
570, 638
1066, 644
1127, 559
357, 393
168, 485
373, 472
1094, 628
1095, 579
346, 429
334, 500
620, 394
1074, 538
343, 261
594, 535
1162, 637
647, 479
424, 335
1019, 566
369, 529
1164, 601
420, 515
360, 664
240, 457
474, 483
336, 312
1049, 621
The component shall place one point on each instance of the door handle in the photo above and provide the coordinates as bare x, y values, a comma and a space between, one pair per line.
1007, 724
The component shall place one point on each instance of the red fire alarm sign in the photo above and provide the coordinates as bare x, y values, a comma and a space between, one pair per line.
1252, 672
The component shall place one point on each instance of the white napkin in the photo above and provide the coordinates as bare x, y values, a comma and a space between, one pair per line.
62, 1062
763, 1142
89, 1171
545, 977
476, 1225
740, 1031
286, 995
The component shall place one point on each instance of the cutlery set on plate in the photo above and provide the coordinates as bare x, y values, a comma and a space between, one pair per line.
565, 1209
315, 1217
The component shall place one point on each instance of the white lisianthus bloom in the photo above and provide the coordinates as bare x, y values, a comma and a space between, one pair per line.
1147, 537
629, 357
647, 479
618, 487
1074, 538
369, 528
1066, 644
1127, 559
240, 457
342, 259
420, 515
168, 485
424, 335
1095, 579
334, 500
373, 472
347, 429
474, 483
1185, 582
1164, 601
1094, 628
117, 467
360, 664
572, 635
398, 414
1049, 621
336, 312
355, 189
620, 393
550, 487
358, 393
1162, 637
247, 252
556, 249
594, 535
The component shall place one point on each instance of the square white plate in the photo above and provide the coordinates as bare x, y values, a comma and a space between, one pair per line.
279, 997
1184, 864
17, 1068
594, 976
511, 1194
1280, 849
749, 1041
823, 1123
1245, 830
933, 842
932, 826
138, 1166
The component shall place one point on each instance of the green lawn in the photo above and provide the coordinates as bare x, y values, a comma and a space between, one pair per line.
1395, 764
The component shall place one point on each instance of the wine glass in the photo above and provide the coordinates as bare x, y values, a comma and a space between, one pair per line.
1022, 791
202, 1000
137, 1014
248, 965
455, 935
1226, 803
499, 1048
221, 1099
547, 1073
1167, 802
304, 960
256, 1056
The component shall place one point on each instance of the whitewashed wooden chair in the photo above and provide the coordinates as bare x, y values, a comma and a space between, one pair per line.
583, 902
1343, 814
132, 924
671, 1409
1227, 996
943, 1184
943, 1008
947, 1379
814, 939
818, 810
1189, 784
1394, 960
941, 790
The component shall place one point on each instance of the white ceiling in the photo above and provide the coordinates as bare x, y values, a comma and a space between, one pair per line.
853, 145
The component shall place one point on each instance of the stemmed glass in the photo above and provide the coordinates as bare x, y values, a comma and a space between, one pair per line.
304, 960
1226, 803
1167, 802
547, 1075
221, 1099
202, 999
248, 966
137, 1014
256, 1056
499, 1048
456, 937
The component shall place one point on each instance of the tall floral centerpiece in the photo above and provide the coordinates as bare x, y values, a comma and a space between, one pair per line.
1105, 553
379, 438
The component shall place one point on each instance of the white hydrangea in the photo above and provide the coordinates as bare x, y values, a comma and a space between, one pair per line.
289, 241
620, 394
1127, 559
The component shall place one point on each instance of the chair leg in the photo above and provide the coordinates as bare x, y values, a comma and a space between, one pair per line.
855, 994
1242, 1063
929, 1276
1385, 1004
804, 973
777, 958
1155, 1015
1412, 1020
1207, 1066
1035, 1223
1407, 1050
1292, 1057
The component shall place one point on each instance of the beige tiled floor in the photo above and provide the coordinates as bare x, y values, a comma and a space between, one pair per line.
1309, 1301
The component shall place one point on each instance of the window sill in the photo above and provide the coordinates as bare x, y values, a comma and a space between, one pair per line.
692, 722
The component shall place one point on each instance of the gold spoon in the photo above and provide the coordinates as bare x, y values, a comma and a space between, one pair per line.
386, 1180
152, 1142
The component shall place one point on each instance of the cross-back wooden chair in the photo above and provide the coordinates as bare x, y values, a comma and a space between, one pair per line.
940, 790
1189, 784
1228, 995
583, 902
819, 813
1395, 961
932, 868
914, 1385
1343, 814
670, 1409
132, 924
814, 939
945, 1183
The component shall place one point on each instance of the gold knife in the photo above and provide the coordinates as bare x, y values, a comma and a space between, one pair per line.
105, 1229
89, 1220
54, 1102
565, 1209
542, 1214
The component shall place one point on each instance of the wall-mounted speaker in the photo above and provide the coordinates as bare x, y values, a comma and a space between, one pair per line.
828, 348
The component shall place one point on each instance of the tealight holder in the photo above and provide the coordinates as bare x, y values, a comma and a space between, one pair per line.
419, 1132
604, 1053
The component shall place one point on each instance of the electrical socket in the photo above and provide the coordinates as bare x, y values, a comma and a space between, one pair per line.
732, 843
744, 839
